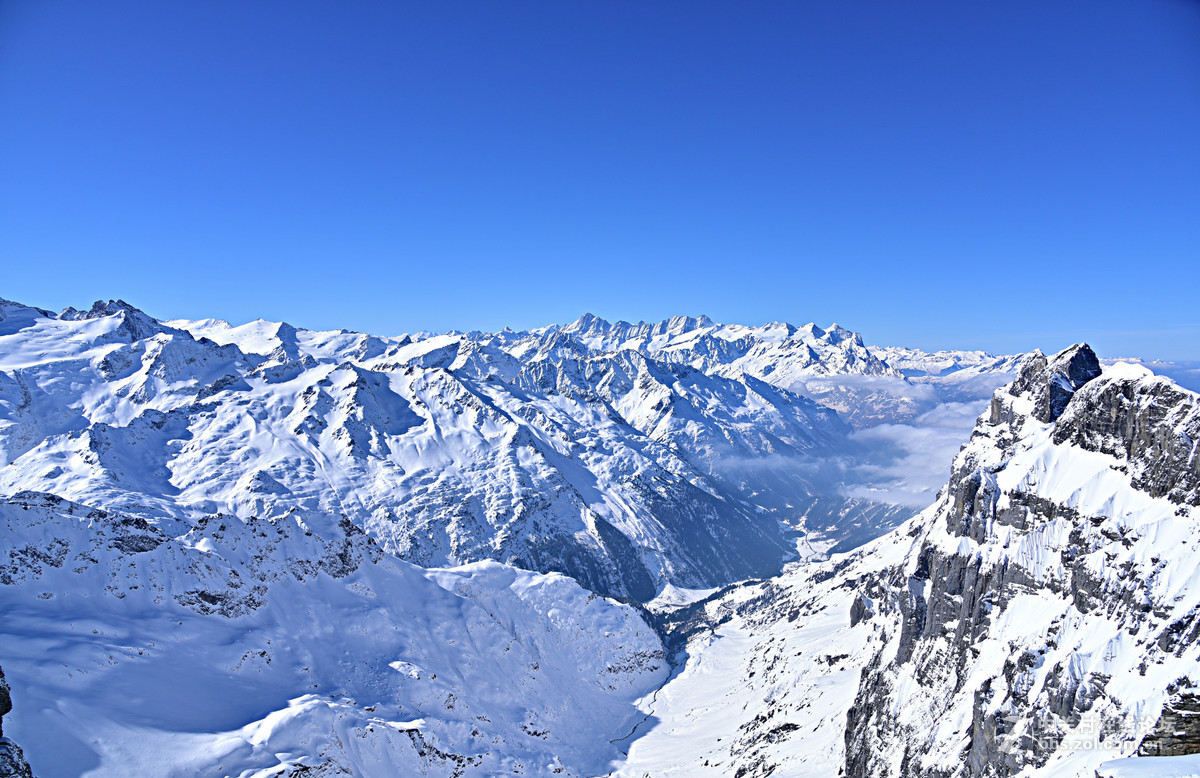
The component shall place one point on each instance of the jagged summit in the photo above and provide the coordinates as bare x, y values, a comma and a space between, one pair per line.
101, 308
587, 322
600, 333
1054, 380
679, 325
594, 326
135, 324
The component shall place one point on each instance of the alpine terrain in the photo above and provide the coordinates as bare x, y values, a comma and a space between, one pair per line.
677, 548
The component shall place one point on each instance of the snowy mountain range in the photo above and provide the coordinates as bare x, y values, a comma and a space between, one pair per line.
627, 457
261, 550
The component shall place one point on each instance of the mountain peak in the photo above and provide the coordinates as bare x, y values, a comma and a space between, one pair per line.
838, 334
1078, 363
136, 324
588, 322
678, 325
100, 308
1053, 380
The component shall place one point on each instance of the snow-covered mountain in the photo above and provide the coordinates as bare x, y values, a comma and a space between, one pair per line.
781, 350
261, 550
1038, 620
623, 471
626, 456
831, 365
249, 647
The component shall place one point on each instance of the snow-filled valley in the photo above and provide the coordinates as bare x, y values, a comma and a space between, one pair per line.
681, 548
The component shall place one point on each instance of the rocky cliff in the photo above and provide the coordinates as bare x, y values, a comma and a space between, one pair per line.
1050, 605
1040, 619
12, 759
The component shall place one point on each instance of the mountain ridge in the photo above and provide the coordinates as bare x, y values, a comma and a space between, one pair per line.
346, 423
1037, 620
378, 498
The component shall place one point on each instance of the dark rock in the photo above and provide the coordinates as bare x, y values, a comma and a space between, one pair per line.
5, 700
949, 600
135, 324
1153, 426
860, 610
1052, 381
12, 760
1177, 732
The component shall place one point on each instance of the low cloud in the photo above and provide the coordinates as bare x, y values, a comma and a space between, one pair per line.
907, 464
891, 386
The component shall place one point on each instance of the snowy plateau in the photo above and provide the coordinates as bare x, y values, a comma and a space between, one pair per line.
594, 549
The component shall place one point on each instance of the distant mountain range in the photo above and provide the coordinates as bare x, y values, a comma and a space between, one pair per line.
626, 456
262, 550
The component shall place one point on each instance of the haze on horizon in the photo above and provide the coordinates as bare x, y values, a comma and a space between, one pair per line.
996, 177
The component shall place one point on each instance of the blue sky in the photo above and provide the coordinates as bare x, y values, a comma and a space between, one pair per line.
940, 174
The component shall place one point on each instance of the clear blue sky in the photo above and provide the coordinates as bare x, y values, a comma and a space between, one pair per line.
937, 173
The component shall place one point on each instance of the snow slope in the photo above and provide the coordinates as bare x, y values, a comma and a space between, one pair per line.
768, 673
255, 647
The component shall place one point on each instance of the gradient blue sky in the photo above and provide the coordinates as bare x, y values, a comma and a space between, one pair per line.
1001, 175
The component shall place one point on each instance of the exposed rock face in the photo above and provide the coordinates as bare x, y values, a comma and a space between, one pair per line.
12, 760
1049, 382
1154, 427
1054, 385
5, 700
861, 609
1177, 732
1045, 607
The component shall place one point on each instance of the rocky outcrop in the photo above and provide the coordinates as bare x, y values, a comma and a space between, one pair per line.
1177, 731
1148, 423
861, 609
12, 759
1052, 565
6, 705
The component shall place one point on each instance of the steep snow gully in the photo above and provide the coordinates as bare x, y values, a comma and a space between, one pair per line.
673, 549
